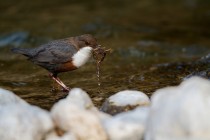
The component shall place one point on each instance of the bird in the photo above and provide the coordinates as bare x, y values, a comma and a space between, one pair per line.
63, 55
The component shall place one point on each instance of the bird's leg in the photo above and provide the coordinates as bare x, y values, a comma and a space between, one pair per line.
54, 77
63, 85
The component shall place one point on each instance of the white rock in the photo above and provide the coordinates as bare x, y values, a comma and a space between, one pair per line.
129, 97
125, 100
181, 113
128, 125
77, 115
66, 136
21, 121
24, 122
8, 97
138, 115
102, 115
80, 98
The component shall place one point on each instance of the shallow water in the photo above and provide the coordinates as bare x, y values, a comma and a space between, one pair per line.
149, 38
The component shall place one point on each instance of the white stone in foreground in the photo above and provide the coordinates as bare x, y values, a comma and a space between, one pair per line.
8, 97
76, 114
21, 122
80, 98
128, 125
66, 136
124, 101
181, 113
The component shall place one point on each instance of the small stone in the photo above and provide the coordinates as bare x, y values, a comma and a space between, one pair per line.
124, 101
127, 125
14, 39
180, 113
80, 98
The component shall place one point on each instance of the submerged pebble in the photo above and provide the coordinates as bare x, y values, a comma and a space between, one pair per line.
14, 39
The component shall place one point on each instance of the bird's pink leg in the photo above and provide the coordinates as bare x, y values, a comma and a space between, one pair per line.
65, 88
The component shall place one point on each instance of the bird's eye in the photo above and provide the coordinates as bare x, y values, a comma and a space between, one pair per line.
87, 43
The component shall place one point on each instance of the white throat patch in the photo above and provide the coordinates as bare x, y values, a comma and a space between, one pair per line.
82, 56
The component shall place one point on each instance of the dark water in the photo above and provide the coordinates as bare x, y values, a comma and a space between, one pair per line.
155, 43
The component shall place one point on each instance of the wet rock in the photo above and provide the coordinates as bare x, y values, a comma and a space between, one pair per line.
180, 112
76, 114
14, 39
127, 125
200, 68
203, 74
21, 121
124, 101
80, 99
205, 59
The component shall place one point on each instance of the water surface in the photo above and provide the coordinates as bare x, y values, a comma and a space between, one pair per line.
153, 40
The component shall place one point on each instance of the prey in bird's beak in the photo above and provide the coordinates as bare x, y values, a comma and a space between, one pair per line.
100, 53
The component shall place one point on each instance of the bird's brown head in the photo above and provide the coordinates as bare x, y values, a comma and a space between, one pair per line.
98, 52
87, 40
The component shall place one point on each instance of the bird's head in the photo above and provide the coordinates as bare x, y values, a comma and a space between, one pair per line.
98, 52
87, 40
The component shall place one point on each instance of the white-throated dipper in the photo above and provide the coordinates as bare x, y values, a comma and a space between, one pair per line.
64, 54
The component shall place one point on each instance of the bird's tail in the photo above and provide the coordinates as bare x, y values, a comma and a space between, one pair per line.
22, 51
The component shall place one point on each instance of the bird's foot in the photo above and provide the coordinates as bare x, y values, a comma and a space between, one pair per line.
66, 89
57, 80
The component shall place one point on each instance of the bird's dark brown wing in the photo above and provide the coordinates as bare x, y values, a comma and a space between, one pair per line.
55, 52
